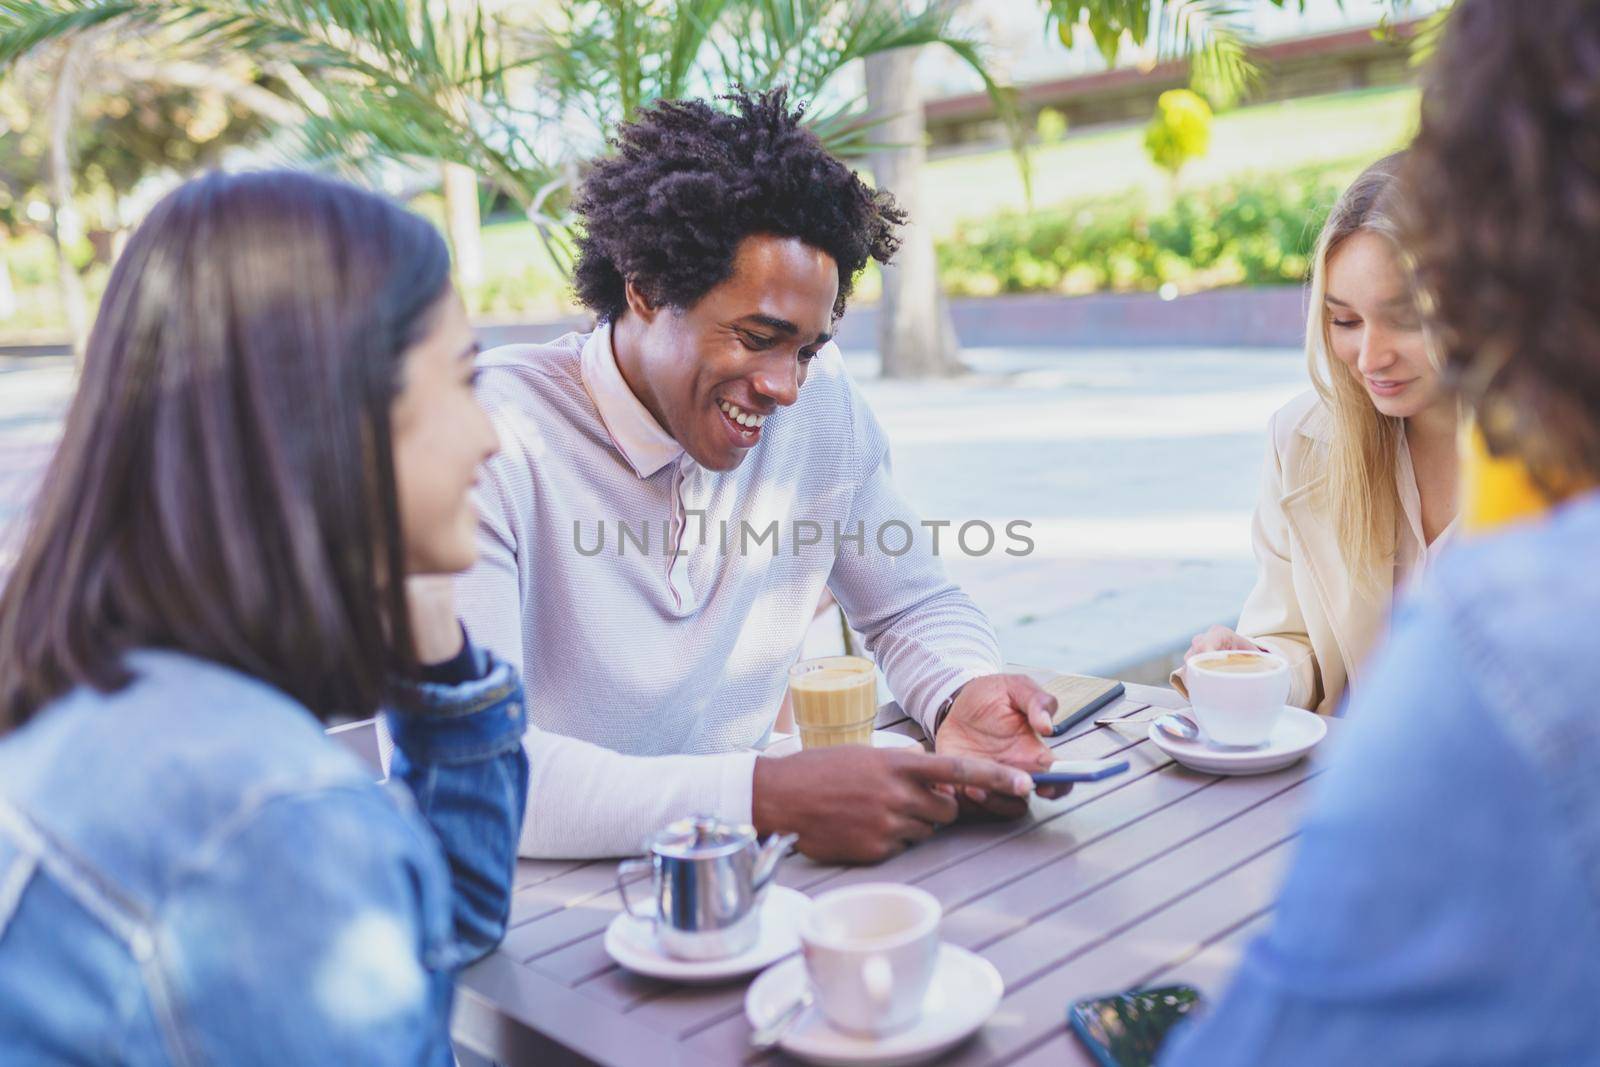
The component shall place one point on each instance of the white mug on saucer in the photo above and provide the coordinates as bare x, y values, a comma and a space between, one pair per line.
870, 951
1237, 695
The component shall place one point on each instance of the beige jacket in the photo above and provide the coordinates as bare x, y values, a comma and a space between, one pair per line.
1305, 607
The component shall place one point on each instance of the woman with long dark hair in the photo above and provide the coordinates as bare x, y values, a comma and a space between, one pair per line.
271, 450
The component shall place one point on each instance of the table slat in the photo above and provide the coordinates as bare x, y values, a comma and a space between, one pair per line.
1207, 970
1036, 1012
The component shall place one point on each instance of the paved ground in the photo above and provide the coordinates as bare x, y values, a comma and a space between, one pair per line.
1137, 469
33, 394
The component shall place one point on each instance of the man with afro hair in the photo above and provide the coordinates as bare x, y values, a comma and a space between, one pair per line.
679, 486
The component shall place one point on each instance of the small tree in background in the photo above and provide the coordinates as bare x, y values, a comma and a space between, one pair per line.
1179, 132
1050, 126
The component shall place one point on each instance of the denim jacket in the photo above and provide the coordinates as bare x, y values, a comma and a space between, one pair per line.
1444, 905
192, 872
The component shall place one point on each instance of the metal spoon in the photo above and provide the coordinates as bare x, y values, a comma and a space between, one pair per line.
1178, 727
1175, 725
769, 1035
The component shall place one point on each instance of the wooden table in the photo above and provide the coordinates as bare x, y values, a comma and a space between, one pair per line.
1158, 875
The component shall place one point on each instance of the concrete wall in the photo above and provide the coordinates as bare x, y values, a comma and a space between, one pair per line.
1244, 318
1219, 318
1271, 317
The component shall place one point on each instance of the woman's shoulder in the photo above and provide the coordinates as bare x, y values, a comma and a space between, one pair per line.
135, 780
1306, 418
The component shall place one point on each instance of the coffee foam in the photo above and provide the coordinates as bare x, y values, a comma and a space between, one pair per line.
1237, 663
827, 679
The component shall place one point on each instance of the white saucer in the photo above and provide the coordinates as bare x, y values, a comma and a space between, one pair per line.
964, 992
1296, 733
632, 943
788, 744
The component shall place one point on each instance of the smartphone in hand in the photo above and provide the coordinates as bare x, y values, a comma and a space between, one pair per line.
1128, 1029
1080, 770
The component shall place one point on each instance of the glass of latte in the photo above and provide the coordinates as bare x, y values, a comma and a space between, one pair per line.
835, 700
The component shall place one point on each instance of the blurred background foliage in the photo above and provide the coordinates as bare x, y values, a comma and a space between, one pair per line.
491, 108
1256, 230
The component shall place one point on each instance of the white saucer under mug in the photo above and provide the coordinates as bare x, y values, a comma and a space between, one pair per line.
964, 992
631, 942
1296, 732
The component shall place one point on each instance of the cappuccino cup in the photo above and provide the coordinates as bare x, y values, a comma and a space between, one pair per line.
1237, 695
870, 952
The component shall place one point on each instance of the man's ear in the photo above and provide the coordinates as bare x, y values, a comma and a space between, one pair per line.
638, 303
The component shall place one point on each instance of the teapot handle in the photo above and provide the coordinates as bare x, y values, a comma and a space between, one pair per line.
633, 866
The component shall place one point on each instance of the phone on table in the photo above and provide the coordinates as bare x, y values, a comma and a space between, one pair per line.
1063, 771
1079, 696
1128, 1029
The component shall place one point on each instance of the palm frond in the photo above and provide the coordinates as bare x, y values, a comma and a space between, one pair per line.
846, 128
384, 79
695, 21
806, 44
1208, 32
29, 24
1106, 21
1004, 99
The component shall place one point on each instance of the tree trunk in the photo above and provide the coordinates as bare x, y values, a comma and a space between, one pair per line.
65, 227
462, 223
915, 335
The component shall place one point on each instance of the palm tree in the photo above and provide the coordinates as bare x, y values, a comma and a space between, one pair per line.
916, 334
349, 79
442, 80
597, 63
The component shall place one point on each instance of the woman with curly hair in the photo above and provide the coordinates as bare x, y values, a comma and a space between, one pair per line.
1360, 485
1444, 905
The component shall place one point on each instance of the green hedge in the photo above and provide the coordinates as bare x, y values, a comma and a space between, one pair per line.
1255, 231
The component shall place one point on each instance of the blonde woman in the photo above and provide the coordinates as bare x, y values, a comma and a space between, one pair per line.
1360, 483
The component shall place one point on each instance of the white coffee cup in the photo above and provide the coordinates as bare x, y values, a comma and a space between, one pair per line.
870, 951
1237, 695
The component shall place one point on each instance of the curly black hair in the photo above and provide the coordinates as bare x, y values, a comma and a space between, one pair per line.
1505, 174
688, 182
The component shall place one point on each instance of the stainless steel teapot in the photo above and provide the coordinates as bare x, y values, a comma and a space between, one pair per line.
706, 877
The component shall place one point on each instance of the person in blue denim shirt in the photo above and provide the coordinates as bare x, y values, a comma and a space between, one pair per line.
1444, 903
247, 532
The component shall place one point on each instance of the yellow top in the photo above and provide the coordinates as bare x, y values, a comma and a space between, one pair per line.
1495, 491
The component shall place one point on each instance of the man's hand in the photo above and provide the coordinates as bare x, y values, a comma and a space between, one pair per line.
855, 804
1001, 717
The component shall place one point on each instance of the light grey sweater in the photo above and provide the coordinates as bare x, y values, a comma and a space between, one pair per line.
651, 671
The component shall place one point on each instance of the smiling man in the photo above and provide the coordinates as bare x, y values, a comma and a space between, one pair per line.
677, 488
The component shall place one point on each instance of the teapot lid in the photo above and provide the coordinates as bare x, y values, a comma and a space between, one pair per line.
701, 837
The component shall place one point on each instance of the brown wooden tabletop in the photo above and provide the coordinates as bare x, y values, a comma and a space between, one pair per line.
1155, 876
